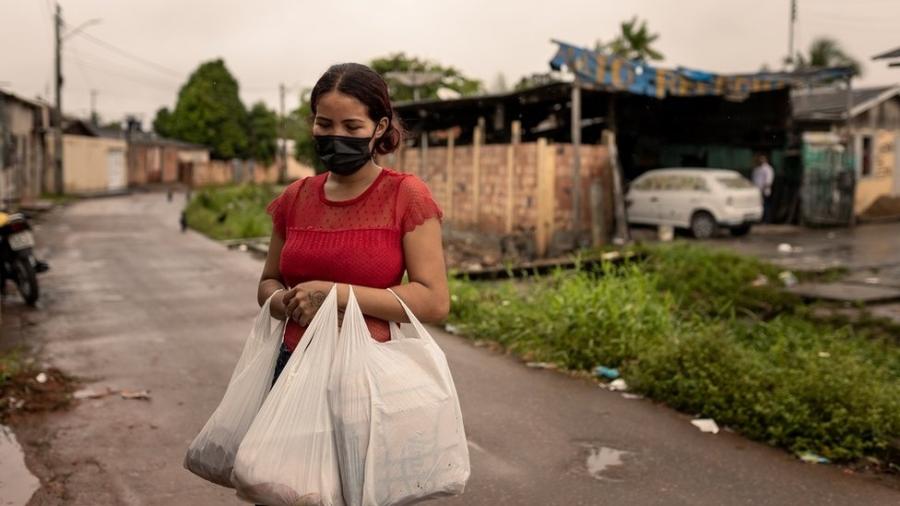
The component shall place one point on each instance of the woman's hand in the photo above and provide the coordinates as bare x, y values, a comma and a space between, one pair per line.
303, 301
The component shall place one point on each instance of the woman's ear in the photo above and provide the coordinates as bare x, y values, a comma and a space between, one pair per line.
381, 127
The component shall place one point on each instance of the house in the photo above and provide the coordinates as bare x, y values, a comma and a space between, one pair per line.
25, 160
93, 159
873, 134
155, 159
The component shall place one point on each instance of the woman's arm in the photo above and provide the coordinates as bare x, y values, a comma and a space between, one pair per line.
426, 294
270, 281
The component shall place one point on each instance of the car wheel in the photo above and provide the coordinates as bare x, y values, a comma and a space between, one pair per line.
740, 230
703, 225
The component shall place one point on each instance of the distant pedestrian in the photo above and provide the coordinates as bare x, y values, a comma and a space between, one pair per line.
763, 177
183, 221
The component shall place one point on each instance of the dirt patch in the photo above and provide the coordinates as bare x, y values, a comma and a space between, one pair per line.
31, 391
884, 208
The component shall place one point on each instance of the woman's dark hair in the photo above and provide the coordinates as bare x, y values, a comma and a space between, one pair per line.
365, 85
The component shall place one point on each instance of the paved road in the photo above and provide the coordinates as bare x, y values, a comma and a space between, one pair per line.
133, 303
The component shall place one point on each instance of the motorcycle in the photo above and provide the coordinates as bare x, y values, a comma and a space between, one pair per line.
17, 260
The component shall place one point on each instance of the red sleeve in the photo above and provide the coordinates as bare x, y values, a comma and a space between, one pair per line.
281, 206
415, 204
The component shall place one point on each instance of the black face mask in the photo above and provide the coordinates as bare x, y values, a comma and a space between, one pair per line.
343, 155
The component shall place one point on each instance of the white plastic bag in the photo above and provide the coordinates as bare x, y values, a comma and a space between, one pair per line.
211, 454
398, 424
288, 457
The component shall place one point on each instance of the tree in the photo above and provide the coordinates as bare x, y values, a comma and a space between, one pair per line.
450, 77
299, 128
209, 111
827, 52
162, 123
262, 133
634, 42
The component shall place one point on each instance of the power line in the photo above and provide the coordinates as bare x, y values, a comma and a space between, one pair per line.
131, 56
170, 88
135, 71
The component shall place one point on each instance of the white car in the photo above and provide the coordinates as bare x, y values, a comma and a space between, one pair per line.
701, 200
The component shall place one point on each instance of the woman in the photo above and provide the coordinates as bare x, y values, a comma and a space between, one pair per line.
357, 224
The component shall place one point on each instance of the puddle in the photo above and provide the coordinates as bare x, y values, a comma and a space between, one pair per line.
600, 460
17, 484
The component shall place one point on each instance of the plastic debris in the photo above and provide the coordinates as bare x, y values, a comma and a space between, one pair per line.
606, 372
143, 395
632, 396
785, 248
618, 385
873, 280
453, 329
541, 365
90, 393
788, 278
824, 354
242, 247
665, 233
812, 458
706, 425
41, 378
760, 280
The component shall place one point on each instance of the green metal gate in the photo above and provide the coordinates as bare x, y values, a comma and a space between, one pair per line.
829, 181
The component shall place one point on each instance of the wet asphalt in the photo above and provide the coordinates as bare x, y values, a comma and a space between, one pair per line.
133, 303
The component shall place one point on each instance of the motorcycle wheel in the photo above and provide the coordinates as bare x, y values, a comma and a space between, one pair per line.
26, 280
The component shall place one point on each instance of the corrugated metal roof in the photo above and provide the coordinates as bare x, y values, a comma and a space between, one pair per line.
831, 104
609, 71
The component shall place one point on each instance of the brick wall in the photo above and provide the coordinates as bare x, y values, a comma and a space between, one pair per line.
489, 213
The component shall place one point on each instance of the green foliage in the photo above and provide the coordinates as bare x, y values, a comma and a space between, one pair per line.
262, 128
633, 42
716, 283
11, 362
300, 129
232, 212
754, 363
827, 52
399, 62
209, 111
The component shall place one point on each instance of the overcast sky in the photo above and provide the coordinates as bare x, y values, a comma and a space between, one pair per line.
267, 42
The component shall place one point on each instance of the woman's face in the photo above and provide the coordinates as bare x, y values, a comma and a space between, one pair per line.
340, 114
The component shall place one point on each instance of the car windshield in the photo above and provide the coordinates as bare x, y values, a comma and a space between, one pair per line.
734, 182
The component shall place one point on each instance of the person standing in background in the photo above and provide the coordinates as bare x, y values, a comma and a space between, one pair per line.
763, 177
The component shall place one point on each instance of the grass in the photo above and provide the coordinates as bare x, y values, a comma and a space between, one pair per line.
232, 212
686, 326
11, 363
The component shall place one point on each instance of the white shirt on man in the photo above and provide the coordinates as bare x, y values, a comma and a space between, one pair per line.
763, 176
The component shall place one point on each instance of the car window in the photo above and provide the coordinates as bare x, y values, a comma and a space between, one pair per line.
734, 182
698, 184
646, 184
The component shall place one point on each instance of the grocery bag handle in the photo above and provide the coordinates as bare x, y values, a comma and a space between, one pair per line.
420, 329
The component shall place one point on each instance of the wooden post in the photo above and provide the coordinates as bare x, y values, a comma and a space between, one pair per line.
451, 142
510, 173
576, 161
546, 174
622, 233
598, 232
476, 170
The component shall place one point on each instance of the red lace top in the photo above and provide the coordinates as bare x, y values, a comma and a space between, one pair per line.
357, 241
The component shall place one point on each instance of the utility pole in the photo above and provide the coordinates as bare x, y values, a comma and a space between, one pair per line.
282, 169
94, 118
793, 21
58, 144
